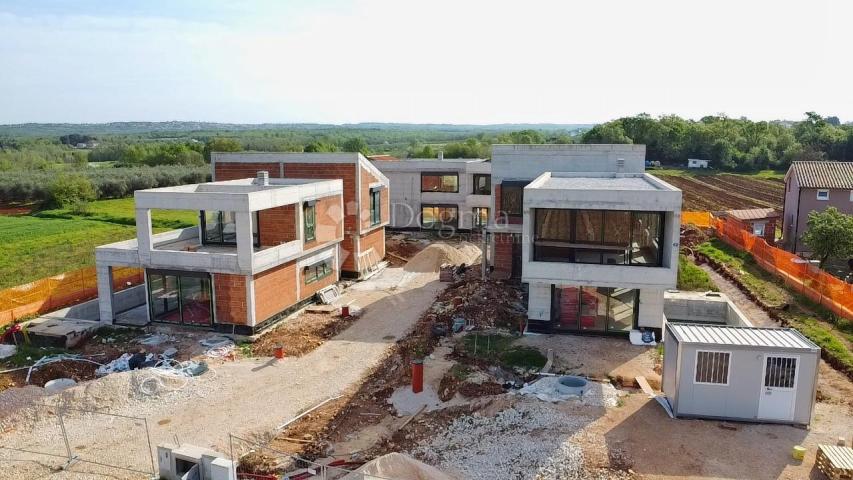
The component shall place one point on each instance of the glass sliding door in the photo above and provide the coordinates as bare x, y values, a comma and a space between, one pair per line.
594, 309
180, 297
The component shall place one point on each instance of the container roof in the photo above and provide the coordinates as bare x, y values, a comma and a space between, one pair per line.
764, 337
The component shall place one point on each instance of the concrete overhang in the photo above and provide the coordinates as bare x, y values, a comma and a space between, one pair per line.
242, 195
601, 191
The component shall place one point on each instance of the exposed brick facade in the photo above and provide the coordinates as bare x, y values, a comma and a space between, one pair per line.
235, 171
330, 227
384, 200
277, 225
503, 253
307, 290
375, 239
275, 290
327, 171
230, 292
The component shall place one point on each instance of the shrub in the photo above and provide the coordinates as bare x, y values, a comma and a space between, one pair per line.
71, 191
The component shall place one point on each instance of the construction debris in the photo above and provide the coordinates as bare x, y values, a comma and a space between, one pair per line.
435, 255
46, 360
549, 389
396, 465
7, 351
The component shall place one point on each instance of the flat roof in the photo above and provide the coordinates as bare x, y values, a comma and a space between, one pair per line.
724, 335
599, 181
243, 185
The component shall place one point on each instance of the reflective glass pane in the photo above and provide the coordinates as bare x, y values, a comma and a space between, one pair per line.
568, 307
164, 297
195, 301
588, 225
646, 241
229, 227
593, 311
212, 232
620, 315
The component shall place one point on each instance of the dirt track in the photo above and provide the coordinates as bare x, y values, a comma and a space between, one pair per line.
257, 395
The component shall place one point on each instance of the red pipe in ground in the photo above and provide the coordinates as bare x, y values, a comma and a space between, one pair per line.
344, 310
279, 352
417, 376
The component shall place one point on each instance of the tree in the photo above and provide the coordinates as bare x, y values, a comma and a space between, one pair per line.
71, 191
611, 132
320, 147
356, 144
829, 234
221, 144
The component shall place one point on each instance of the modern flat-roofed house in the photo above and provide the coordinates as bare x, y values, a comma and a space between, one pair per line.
809, 187
441, 193
263, 245
595, 238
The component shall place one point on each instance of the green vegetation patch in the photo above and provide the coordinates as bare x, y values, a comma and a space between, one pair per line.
32, 248
756, 279
693, 278
500, 349
121, 211
27, 355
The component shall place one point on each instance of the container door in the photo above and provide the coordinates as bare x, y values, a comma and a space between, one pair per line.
779, 391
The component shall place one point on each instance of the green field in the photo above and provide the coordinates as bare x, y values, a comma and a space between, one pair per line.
120, 211
697, 172
56, 241
693, 278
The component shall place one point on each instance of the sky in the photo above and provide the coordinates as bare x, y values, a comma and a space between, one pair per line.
437, 61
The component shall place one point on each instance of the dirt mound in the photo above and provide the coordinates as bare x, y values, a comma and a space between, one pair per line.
398, 465
434, 256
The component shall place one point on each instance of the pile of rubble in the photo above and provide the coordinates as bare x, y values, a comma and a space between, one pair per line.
478, 304
528, 440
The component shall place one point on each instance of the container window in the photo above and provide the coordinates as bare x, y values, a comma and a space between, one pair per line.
780, 372
712, 367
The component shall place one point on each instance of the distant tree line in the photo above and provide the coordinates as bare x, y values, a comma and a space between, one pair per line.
36, 186
730, 144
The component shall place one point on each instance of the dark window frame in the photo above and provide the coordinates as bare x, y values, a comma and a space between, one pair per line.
487, 189
375, 206
439, 174
317, 271
475, 218
507, 187
309, 232
570, 258
256, 229
440, 225
555, 310
149, 272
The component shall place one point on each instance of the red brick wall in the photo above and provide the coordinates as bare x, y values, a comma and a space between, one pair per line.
329, 224
503, 253
277, 225
385, 206
311, 288
275, 290
230, 291
375, 239
234, 171
343, 171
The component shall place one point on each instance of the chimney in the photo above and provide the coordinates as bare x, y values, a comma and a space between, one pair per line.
263, 178
620, 165
440, 155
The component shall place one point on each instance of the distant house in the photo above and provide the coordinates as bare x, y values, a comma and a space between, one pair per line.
696, 163
760, 222
813, 186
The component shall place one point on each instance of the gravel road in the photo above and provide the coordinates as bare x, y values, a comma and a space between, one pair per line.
243, 397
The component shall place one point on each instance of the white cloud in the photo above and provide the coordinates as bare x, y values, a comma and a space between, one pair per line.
439, 61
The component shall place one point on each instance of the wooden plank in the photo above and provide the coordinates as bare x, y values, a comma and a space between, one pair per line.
644, 385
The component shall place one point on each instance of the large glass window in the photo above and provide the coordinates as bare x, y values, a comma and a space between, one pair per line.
512, 199
220, 228
318, 271
309, 221
180, 297
439, 216
440, 182
375, 206
595, 309
482, 184
609, 237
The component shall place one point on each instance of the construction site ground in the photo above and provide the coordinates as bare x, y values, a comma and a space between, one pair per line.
467, 422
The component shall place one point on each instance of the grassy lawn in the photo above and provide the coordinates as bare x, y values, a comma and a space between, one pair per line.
500, 349
831, 333
121, 211
693, 278
56, 241
33, 248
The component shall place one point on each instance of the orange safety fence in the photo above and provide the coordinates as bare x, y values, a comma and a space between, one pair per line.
700, 219
52, 293
819, 286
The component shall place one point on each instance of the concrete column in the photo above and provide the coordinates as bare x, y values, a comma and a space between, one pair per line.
105, 293
245, 243
143, 234
300, 221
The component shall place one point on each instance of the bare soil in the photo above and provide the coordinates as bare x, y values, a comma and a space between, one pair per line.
302, 334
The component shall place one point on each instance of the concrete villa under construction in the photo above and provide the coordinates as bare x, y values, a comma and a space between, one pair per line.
264, 244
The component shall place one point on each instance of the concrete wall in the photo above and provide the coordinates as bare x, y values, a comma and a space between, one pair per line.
740, 398
122, 301
407, 198
523, 162
712, 308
